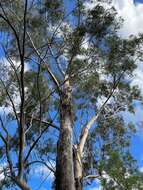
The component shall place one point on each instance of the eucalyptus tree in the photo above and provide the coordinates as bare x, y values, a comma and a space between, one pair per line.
65, 80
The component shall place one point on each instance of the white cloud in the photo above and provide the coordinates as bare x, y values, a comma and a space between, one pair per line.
1, 174
5, 110
59, 30
85, 43
132, 15
89, 5
40, 170
138, 77
81, 57
101, 100
7, 65
132, 25
2, 167
141, 169
17, 64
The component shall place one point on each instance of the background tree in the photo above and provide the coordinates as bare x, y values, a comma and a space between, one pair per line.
65, 79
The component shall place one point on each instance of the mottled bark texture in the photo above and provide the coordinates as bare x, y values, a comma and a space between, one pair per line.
64, 166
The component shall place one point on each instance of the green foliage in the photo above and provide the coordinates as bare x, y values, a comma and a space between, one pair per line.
108, 152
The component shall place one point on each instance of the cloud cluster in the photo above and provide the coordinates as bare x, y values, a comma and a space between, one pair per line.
131, 12
138, 77
133, 17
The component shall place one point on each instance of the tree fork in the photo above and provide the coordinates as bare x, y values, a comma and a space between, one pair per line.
21, 183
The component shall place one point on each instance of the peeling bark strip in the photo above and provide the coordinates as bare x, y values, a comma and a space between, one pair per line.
64, 166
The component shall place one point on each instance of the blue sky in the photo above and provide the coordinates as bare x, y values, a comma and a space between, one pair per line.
139, 1
133, 17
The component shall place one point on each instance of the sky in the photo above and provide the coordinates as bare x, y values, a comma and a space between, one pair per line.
132, 13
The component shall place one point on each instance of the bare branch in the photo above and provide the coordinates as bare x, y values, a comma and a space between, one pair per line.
56, 59
3, 127
6, 142
22, 117
37, 140
47, 67
5, 18
41, 162
47, 123
85, 131
91, 177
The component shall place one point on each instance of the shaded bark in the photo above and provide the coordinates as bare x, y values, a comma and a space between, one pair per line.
64, 166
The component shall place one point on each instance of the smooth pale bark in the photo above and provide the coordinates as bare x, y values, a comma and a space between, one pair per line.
64, 166
78, 170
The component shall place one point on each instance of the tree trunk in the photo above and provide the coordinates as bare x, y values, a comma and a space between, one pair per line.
64, 166
78, 169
